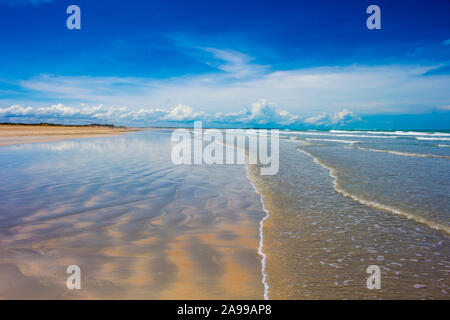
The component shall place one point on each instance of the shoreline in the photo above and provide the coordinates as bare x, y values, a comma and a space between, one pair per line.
310, 254
261, 235
15, 134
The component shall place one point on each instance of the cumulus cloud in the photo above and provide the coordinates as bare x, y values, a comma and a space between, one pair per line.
260, 114
325, 118
342, 116
183, 113
264, 112
318, 119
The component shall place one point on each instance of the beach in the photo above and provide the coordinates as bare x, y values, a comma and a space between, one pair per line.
138, 226
141, 227
19, 133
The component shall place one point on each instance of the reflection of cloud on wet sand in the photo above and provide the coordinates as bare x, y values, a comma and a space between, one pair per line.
137, 227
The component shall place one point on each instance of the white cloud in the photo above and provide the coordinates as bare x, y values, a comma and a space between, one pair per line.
320, 118
317, 94
365, 90
261, 113
327, 119
342, 116
264, 112
183, 113
236, 64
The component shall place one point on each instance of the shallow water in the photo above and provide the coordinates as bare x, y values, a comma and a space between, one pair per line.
336, 208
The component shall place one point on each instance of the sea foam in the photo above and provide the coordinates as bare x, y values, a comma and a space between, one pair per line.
376, 205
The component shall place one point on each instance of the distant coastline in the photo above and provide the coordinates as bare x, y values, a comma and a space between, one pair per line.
205, 126
21, 133
47, 124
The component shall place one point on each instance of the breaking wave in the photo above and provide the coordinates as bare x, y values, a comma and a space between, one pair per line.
373, 204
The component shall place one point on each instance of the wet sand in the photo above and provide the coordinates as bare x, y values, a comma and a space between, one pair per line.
21, 134
138, 226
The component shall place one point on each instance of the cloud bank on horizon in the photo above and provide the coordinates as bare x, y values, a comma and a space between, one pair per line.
323, 96
261, 114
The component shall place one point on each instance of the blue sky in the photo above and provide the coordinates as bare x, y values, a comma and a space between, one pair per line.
295, 64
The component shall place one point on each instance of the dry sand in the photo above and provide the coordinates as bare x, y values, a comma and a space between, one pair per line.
20, 134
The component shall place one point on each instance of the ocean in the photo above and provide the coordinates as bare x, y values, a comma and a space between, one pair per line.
344, 200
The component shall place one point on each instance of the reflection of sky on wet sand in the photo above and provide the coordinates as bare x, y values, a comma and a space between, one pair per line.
138, 226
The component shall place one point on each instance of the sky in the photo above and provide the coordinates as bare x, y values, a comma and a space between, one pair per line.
288, 64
